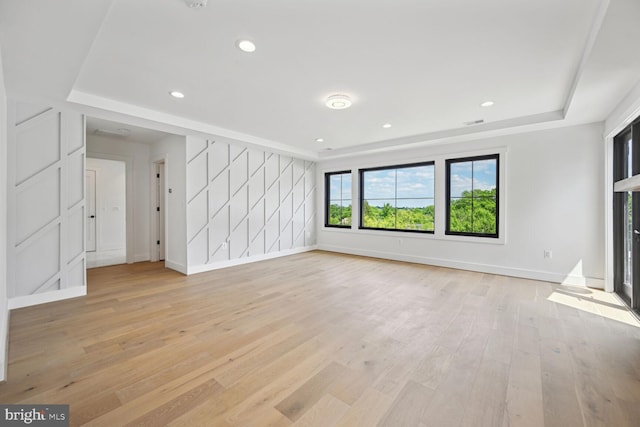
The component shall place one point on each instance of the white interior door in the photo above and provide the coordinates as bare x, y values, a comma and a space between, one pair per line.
160, 211
91, 209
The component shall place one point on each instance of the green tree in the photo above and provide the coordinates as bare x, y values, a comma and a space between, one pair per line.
474, 212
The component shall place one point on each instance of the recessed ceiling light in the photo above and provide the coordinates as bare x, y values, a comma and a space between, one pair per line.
338, 102
176, 94
246, 46
319, 139
386, 125
487, 104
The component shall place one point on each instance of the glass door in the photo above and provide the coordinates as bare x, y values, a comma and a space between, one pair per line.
626, 214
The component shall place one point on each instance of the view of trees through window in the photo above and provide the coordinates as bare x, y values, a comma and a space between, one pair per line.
338, 188
472, 190
398, 198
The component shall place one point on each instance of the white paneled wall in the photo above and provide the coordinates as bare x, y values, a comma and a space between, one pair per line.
46, 255
244, 204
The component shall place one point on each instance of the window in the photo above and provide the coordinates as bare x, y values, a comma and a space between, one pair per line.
398, 198
337, 187
472, 196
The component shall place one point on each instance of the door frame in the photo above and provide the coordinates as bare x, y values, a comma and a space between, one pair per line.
622, 117
153, 222
619, 227
95, 207
128, 161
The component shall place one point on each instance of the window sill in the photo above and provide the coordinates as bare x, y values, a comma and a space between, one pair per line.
414, 235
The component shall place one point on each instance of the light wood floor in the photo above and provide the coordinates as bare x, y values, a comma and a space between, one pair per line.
321, 339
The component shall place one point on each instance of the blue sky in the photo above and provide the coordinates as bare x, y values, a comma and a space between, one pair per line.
484, 176
415, 185
340, 183
411, 187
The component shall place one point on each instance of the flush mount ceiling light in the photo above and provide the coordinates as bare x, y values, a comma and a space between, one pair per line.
338, 102
319, 139
246, 46
176, 94
487, 104
386, 125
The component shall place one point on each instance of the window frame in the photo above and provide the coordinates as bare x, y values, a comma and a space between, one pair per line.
327, 198
361, 198
447, 177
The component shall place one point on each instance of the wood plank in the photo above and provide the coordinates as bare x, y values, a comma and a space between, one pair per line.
561, 407
302, 399
524, 394
367, 410
408, 408
325, 413
486, 405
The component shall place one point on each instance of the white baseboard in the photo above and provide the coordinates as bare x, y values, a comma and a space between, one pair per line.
141, 258
35, 299
181, 268
546, 276
240, 261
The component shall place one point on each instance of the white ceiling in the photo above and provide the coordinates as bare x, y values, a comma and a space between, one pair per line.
422, 65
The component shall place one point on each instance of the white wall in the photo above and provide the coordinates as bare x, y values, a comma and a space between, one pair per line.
136, 155
45, 207
244, 204
111, 203
553, 194
4, 314
172, 149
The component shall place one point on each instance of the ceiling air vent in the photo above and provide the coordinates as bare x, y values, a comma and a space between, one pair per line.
196, 3
117, 133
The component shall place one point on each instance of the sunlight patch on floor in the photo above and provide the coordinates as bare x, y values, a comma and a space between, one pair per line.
594, 301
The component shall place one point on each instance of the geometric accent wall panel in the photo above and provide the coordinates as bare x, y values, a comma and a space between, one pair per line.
76, 274
37, 145
310, 202
257, 202
37, 203
43, 252
197, 176
75, 235
73, 124
25, 111
46, 158
197, 217
75, 187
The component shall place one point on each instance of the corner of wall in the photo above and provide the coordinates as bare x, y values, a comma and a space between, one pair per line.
4, 312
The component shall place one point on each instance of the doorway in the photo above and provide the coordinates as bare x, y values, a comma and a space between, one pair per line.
106, 237
626, 215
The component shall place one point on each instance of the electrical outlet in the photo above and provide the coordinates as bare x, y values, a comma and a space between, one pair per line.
224, 245
548, 253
